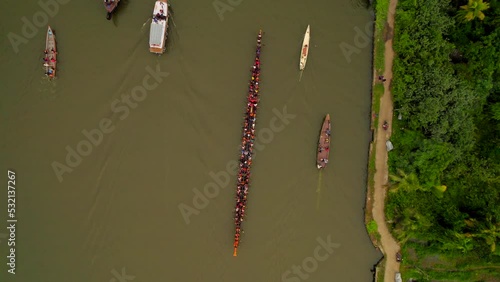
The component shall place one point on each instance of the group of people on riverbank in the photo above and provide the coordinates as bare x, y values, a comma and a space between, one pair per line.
247, 146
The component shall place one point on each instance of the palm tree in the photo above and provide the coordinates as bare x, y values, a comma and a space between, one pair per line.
461, 242
410, 183
473, 10
490, 234
411, 225
405, 182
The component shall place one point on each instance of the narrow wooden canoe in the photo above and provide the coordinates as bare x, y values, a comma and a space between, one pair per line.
305, 49
324, 144
50, 62
159, 26
110, 6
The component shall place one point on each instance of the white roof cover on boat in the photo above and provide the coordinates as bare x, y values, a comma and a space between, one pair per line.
156, 34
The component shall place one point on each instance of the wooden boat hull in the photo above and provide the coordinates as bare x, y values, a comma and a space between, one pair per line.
305, 49
110, 7
159, 26
324, 144
51, 53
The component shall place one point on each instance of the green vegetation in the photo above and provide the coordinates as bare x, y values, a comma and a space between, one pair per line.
378, 92
373, 229
379, 54
426, 264
444, 204
382, 8
474, 9
381, 271
372, 169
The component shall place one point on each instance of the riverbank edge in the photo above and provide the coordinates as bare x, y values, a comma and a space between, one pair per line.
377, 90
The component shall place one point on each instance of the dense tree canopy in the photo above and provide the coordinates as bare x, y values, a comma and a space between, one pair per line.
446, 163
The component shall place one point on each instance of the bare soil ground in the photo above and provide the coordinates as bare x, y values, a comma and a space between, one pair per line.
387, 243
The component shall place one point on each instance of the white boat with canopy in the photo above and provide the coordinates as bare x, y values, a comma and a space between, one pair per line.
159, 25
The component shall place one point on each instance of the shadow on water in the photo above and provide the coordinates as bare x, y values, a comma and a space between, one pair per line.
120, 8
361, 3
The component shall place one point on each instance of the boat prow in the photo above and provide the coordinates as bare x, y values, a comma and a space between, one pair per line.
110, 6
305, 49
159, 26
324, 144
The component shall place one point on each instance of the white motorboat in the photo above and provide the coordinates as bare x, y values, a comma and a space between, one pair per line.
159, 25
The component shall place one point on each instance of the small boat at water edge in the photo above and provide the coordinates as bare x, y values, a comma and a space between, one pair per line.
50, 59
159, 26
324, 144
110, 6
305, 49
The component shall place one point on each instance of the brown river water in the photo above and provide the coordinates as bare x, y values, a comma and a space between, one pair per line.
124, 163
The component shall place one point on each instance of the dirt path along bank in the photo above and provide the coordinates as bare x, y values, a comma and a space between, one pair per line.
388, 245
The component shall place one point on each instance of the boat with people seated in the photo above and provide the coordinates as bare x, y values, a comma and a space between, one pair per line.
305, 49
110, 6
159, 26
50, 58
324, 144
247, 147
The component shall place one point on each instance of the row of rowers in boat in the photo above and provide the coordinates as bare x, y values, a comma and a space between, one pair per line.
157, 35
248, 138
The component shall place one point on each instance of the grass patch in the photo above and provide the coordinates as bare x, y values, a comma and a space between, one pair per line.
471, 274
379, 54
370, 224
424, 263
381, 10
381, 271
371, 170
378, 92
372, 229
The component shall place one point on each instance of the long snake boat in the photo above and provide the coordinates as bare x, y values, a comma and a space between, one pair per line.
247, 147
